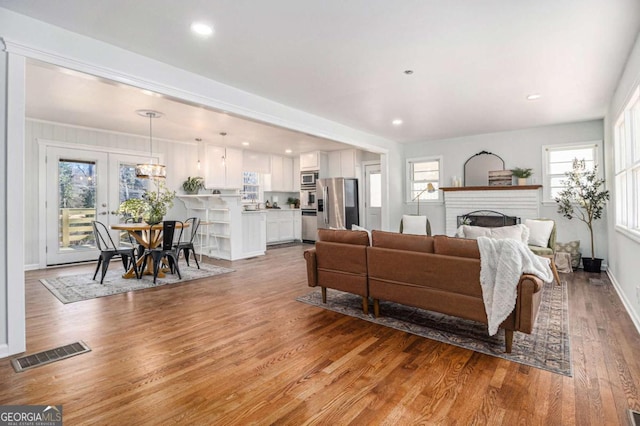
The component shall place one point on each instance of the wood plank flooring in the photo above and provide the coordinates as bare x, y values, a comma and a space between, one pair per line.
238, 349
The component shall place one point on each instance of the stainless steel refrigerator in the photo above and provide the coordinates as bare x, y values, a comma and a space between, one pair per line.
337, 203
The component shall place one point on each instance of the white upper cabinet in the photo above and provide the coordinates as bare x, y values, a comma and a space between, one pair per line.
281, 174
223, 167
345, 163
296, 174
315, 160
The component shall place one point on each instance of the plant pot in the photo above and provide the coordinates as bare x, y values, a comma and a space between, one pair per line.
522, 181
591, 265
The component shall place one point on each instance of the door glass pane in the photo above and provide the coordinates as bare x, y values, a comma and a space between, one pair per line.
77, 204
130, 187
375, 190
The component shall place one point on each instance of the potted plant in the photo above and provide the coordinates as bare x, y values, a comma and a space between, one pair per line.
584, 198
157, 203
134, 208
522, 175
193, 184
292, 202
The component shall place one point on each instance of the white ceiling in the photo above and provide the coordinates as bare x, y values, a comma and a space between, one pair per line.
474, 62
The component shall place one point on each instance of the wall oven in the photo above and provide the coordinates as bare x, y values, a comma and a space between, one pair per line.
308, 199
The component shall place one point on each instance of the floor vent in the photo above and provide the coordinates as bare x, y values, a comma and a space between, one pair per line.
596, 281
47, 357
634, 416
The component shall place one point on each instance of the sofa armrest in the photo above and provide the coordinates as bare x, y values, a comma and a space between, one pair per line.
528, 304
312, 267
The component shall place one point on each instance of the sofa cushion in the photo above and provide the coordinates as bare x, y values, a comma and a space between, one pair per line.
360, 228
539, 231
516, 232
460, 247
360, 238
473, 232
393, 240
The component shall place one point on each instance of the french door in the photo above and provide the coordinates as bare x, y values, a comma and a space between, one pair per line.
83, 186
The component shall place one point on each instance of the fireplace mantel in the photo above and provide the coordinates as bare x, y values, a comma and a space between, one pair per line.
520, 201
490, 188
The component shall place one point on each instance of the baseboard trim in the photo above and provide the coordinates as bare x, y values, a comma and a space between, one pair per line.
31, 267
628, 306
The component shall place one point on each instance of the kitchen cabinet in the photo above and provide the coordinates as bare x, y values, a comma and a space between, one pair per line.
283, 225
226, 230
344, 163
281, 178
296, 174
223, 167
315, 160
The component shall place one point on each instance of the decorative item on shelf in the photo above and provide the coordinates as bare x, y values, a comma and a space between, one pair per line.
150, 170
158, 202
430, 189
584, 197
500, 178
292, 202
216, 192
522, 175
193, 184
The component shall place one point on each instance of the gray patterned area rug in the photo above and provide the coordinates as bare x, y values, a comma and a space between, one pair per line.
74, 288
547, 348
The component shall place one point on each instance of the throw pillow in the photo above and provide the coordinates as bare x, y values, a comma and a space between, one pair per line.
360, 228
516, 232
473, 232
573, 248
539, 231
416, 225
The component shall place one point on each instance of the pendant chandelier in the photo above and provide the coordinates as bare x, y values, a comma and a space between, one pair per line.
150, 170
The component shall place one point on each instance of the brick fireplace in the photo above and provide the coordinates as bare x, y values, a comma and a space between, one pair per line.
518, 201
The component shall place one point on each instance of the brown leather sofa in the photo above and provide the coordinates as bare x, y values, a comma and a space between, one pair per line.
440, 274
339, 261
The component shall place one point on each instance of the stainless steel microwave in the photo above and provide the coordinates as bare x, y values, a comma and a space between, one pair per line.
308, 178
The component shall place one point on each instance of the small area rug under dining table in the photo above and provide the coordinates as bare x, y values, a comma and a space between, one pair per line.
75, 288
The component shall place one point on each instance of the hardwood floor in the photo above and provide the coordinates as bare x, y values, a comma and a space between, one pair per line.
238, 349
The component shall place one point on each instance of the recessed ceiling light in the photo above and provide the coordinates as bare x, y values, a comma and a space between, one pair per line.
408, 72
245, 143
396, 122
288, 151
202, 29
534, 96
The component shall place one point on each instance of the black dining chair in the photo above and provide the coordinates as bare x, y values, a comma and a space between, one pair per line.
187, 246
165, 250
109, 250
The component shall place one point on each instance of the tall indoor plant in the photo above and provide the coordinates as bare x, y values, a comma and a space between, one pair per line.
584, 197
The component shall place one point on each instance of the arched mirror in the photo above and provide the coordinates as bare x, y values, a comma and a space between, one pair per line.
477, 168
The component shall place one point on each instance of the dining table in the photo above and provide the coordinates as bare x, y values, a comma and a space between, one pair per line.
149, 237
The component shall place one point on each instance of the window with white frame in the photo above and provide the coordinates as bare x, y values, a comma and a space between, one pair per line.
423, 179
558, 159
626, 149
251, 186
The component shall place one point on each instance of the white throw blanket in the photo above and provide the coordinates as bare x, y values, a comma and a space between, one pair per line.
502, 262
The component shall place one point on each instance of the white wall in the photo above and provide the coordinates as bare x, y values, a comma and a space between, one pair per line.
4, 279
624, 251
520, 148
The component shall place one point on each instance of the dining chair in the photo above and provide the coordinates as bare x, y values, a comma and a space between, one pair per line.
166, 249
187, 246
109, 250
